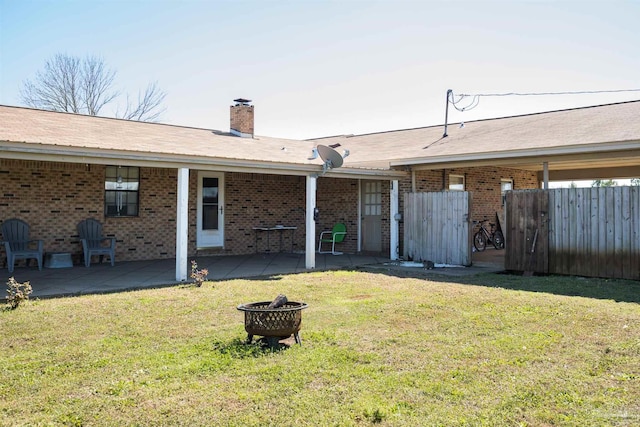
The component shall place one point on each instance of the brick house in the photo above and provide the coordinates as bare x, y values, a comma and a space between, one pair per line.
171, 192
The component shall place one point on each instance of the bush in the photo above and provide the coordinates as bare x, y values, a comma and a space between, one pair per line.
198, 275
17, 292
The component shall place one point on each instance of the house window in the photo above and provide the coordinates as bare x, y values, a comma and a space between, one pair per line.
456, 182
505, 185
121, 187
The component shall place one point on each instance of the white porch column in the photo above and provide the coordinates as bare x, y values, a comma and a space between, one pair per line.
545, 175
310, 224
394, 229
182, 222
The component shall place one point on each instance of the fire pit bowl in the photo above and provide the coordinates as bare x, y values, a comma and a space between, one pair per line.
273, 323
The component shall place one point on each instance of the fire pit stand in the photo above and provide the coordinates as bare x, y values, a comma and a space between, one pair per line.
274, 324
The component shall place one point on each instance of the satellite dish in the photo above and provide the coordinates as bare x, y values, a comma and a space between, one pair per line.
332, 159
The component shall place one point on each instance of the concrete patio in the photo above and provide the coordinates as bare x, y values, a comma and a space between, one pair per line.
130, 275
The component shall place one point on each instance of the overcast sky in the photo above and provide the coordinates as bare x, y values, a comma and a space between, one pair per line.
319, 68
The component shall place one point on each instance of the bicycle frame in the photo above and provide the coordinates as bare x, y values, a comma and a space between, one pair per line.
485, 236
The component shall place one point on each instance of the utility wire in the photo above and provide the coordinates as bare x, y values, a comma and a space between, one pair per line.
584, 92
475, 99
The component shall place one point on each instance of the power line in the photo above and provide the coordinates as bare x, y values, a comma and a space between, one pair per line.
583, 92
475, 99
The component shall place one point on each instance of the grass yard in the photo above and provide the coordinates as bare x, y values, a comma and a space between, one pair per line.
489, 350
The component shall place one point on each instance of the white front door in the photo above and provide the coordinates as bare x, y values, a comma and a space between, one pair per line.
210, 209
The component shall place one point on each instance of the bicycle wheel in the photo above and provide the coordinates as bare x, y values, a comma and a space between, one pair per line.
498, 240
479, 241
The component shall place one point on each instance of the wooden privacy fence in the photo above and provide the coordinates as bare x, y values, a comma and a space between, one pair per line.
591, 232
436, 227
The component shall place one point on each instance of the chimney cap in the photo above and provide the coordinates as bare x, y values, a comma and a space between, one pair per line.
242, 101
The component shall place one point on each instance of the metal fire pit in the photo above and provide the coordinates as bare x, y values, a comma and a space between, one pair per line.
273, 323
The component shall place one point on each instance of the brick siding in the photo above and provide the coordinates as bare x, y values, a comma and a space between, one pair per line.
255, 200
482, 182
337, 201
53, 197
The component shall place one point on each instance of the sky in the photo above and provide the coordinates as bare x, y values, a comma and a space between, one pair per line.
318, 68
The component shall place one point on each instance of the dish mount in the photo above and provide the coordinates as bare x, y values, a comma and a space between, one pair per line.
331, 158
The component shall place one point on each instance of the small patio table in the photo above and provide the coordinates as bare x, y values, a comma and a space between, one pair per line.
279, 228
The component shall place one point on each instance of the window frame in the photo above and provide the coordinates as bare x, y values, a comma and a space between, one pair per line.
503, 181
123, 183
462, 178
503, 191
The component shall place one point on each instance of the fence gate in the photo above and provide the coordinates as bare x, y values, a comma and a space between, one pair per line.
592, 232
527, 236
436, 227
595, 232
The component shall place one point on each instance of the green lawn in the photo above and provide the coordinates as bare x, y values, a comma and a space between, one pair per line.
492, 350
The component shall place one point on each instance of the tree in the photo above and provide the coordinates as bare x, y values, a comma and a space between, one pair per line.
604, 183
85, 86
635, 181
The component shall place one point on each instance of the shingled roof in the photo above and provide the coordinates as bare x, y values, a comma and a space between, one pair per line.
601, 133
518, 140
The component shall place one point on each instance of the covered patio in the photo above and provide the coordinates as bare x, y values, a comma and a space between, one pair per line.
131, 275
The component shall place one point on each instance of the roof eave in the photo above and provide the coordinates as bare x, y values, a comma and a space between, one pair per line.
494, 157
21, 151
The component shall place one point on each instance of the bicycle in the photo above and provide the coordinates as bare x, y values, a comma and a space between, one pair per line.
484, 236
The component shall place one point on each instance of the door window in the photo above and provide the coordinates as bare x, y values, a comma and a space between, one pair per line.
373, 198
210, 231
210, 204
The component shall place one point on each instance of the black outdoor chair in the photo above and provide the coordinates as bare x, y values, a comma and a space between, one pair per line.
94, 243
15, 235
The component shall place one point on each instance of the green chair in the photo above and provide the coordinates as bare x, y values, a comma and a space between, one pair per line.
336, 235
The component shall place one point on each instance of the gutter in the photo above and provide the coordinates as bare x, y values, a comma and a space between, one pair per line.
11, 150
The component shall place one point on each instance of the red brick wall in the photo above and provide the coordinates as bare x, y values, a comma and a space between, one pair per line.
482, 182
53, 197
255, 200
337, 201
